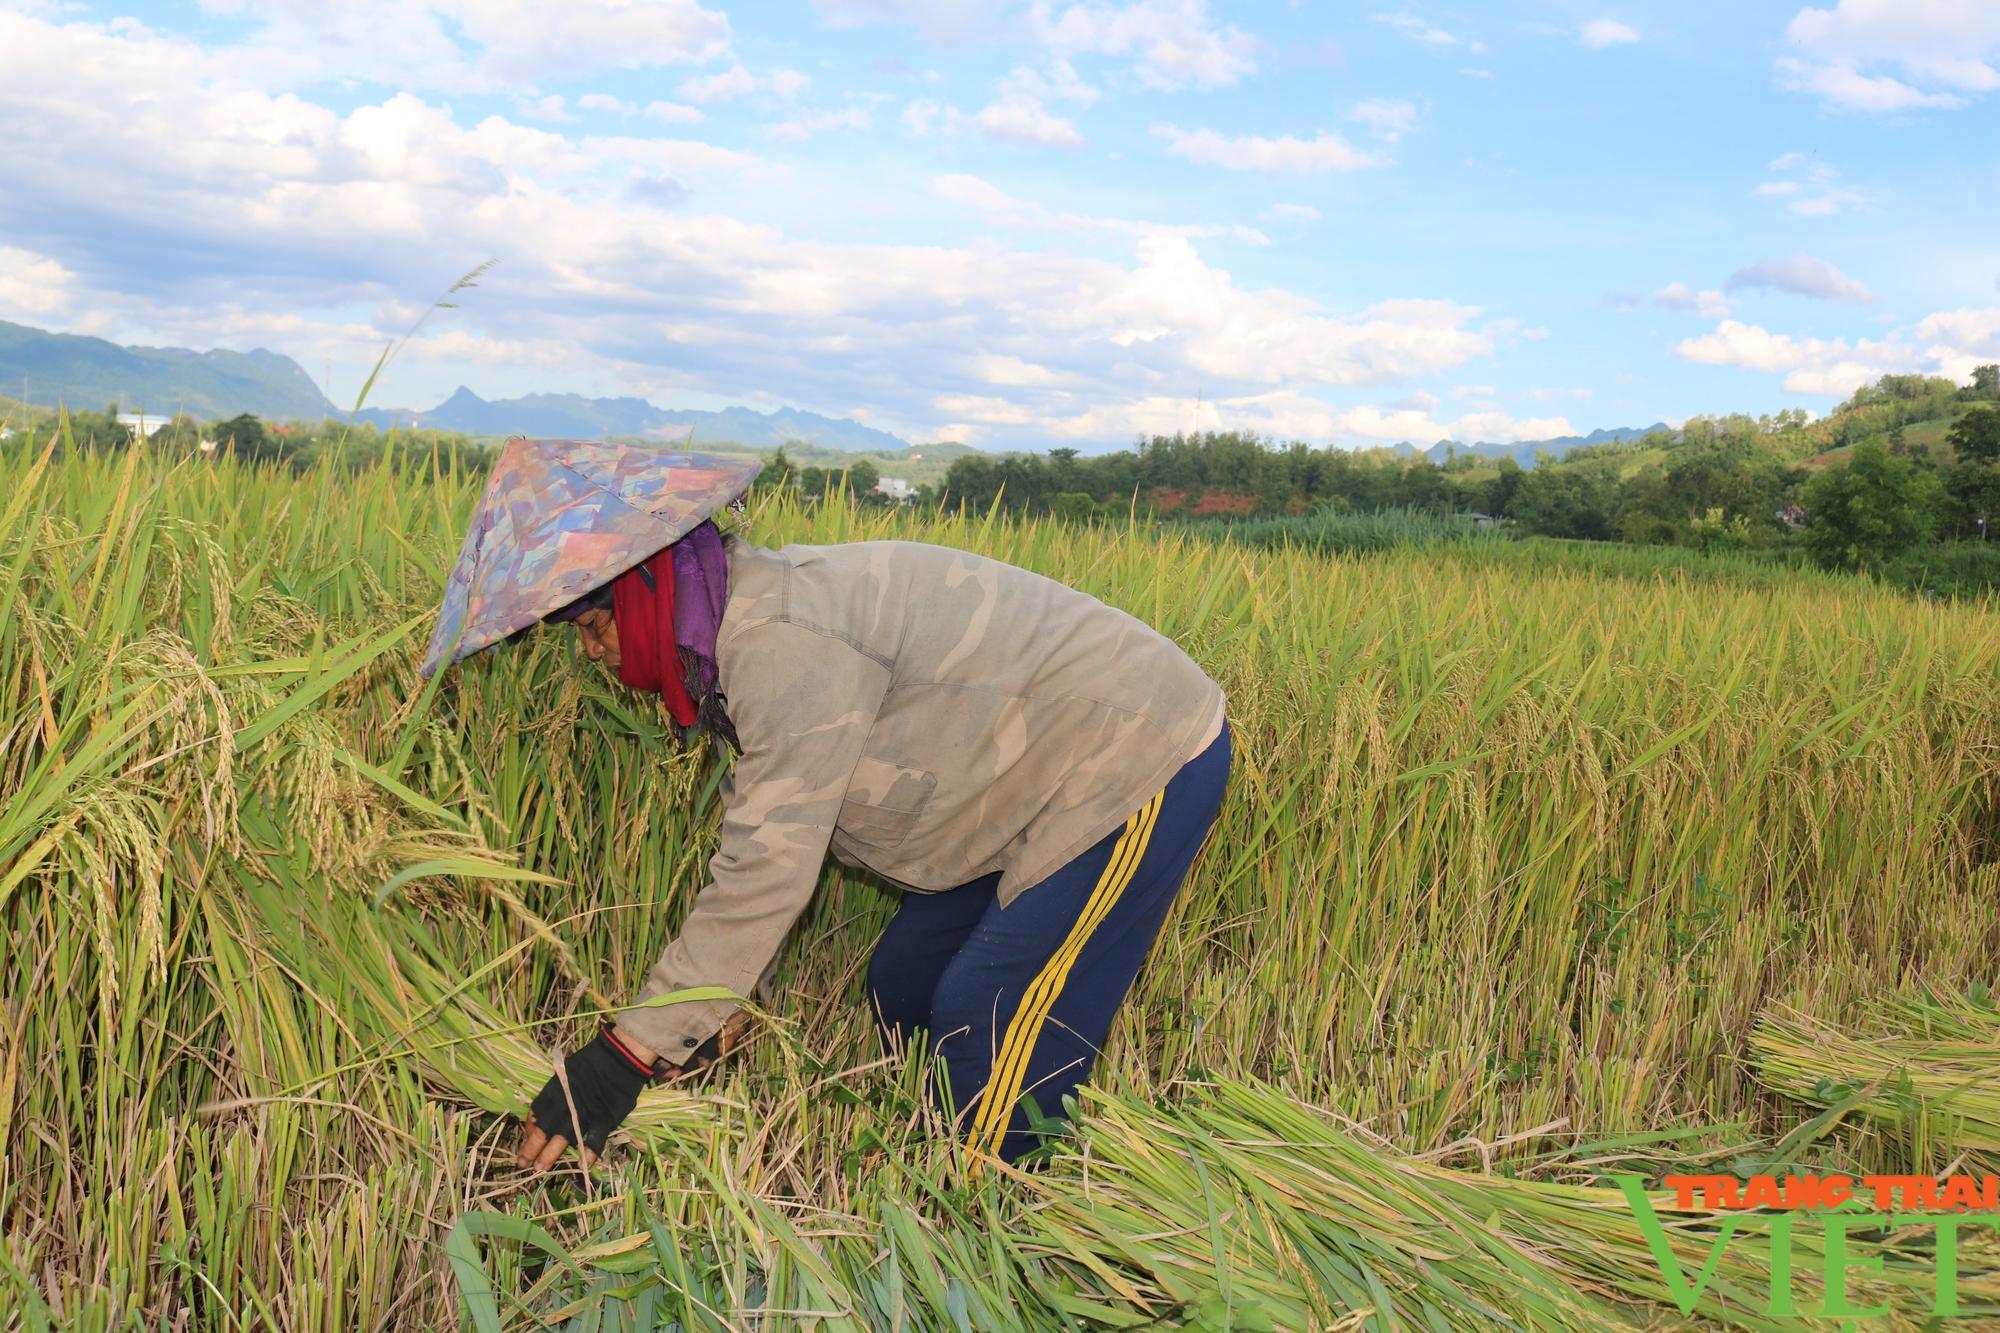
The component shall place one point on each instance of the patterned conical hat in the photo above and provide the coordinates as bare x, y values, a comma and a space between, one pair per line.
560, 517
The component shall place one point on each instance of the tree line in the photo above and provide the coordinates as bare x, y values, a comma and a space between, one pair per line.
1719, 482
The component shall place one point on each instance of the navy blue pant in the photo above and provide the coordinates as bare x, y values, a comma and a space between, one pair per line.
1018, 1000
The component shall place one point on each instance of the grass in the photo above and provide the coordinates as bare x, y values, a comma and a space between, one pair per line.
1329, 532
1923, 1067
1514, 861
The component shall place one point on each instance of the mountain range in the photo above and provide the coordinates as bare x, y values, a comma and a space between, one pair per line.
85, 372
569, 415
88, 373
1524, 451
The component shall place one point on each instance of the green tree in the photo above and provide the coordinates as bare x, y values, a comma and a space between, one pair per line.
1567, 499
1868, 511
1986, 382
246, 437
1064, 472
1274, 489
1974, 507
1975, 438
973, 481
183, 433
98, 430
1073, 507
1500, 496
862, 477
1423, 487
778, 473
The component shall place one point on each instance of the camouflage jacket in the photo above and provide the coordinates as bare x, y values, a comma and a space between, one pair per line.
927, 713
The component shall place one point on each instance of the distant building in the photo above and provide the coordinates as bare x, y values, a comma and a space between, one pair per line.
1792, 516
142, 424
895, 488
1481, 521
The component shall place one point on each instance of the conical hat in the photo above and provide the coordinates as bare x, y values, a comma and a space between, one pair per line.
560, 517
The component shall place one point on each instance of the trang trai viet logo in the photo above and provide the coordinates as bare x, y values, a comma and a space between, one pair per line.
1833, 1215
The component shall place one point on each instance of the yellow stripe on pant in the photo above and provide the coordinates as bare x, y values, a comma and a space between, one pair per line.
1003, 1086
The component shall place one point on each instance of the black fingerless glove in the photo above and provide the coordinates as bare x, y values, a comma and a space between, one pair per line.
605, 1080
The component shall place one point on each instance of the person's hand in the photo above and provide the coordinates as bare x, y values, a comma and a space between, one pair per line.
597, 1074
604, 1080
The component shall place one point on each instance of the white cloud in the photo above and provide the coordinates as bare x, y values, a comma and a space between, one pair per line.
1281, 414
730, 84
673, 113
1018, 112
1679, 296
1935, 44
473, 45
1289, 213
551, 110
617, 106
1170, 44
946, 21
1174, 43
1060, 83
1325, 152
1028, 122
1948, 343
1801, 275
735, 82
33, 285
1472, 391
1827, 202
1600, 33
1810, 365
1809, 186
300, 212
1841, 86
1019, 109
987, 198
1422, 30
802, 127
1957, 340
1387, 118
1976, 332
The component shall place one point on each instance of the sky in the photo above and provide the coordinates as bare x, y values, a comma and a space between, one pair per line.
1027, 225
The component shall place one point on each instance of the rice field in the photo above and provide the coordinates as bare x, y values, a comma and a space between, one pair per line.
1529, 875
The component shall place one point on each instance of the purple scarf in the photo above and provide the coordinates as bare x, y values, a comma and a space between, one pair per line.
701, 591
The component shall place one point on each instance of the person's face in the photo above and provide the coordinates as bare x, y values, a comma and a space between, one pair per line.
600, 637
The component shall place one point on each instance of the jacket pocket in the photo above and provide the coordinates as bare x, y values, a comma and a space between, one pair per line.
884, 801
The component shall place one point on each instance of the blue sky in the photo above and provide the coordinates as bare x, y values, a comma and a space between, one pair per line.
1027, 225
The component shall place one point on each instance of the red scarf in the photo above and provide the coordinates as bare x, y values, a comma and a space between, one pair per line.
649, 655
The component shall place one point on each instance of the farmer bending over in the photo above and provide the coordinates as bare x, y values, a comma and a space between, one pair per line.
1033, 768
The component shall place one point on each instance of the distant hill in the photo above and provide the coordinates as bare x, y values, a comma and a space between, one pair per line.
1523, 451
573, 415
90, 373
